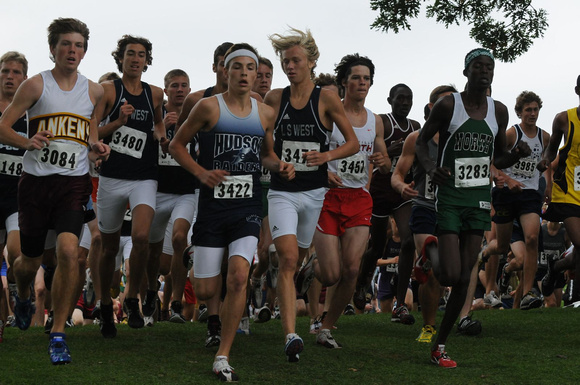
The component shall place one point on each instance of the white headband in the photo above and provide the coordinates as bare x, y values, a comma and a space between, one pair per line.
240, 52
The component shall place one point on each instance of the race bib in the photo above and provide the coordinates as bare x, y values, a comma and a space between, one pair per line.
167, 159
429, 187
266, 176
10, 165
392, 268
234, 187
60, 154
472, 172
292, 152
128, 141
525, 167
577, 178
352, 168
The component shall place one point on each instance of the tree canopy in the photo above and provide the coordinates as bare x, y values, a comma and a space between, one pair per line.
508, 37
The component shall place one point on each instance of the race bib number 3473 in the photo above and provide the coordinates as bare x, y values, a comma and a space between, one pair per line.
292, 152
472, 172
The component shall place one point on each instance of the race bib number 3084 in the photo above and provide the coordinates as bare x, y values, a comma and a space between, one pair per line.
292, 152
59, 154
472, 172
234, 187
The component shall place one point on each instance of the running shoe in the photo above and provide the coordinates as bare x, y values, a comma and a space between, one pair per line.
131, 308
440, 357
549, 280
427, 333
223, 370
359, 299
176, 313
504, 279
69, 323
349, 310
96, 313
263, 314
244, 326
325, 339
58, 350
315, 325
256, 291
89, 289
203, 314
23, 312
188, 257
294, 345
107, 326
150, 304
213, 337
469, 327
305, 275
530, 301
422, 267
492, 300
1, 331
49, 322
401, 314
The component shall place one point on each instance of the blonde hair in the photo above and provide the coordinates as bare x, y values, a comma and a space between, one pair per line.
296, 37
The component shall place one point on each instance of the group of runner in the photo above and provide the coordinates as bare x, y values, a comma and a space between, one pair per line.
203, 158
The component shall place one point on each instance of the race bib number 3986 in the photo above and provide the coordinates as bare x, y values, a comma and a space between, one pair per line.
292, 152
472, 172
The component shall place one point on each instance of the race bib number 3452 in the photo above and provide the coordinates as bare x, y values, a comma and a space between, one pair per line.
292, 152
472, 172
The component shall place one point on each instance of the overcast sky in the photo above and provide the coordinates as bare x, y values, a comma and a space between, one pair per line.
185, 33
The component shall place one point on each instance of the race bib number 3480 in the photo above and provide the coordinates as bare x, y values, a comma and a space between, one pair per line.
472, 172
128, 141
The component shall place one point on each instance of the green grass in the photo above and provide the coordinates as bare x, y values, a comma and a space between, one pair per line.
540, 346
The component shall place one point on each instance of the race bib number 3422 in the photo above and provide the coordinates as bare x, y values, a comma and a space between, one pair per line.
234, 187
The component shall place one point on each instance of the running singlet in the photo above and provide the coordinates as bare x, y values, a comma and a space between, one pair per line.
525, 171
466, 150
233, 144
423, 184
381, 188
354, 170
67, 115
566, 188
11, 158
134, 152
172, 178
297, 132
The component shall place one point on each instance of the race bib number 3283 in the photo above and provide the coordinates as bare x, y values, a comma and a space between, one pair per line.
472, 172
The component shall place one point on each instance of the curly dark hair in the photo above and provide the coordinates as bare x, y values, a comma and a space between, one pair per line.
122, 46
343, 69
524, 98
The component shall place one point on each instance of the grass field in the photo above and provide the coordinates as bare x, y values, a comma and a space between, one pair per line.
539, 346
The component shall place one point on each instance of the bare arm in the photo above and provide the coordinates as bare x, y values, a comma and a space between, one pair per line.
270, 160
334, 111
502, 158
380, 158
559, 130
159, 132
404, 164
103, 109
202, 117
438, 121
28, 93
100, 149
188, 104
